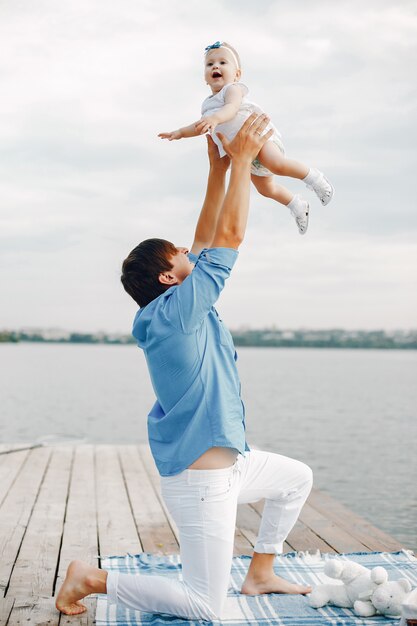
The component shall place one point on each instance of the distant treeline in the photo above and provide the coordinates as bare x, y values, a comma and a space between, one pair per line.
335, 338
327, 339
40, 337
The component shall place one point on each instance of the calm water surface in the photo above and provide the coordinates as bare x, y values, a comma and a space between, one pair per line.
350, 414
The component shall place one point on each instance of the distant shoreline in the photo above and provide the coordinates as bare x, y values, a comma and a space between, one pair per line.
264, 338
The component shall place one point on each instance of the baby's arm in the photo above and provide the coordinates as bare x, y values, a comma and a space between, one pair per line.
186, 131
232, 100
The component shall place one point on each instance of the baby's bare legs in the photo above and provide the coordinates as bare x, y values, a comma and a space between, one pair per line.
271, 157
267, 187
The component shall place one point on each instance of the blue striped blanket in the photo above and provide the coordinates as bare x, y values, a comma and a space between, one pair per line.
242, 610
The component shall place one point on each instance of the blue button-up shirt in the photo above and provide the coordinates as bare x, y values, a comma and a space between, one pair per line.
192, 365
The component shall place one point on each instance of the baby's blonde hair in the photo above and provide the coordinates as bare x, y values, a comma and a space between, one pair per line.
226, 45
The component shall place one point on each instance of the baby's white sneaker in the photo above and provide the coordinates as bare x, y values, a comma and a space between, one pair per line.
300, 210
322, 187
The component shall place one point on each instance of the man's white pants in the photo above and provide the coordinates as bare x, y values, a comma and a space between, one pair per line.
203, 505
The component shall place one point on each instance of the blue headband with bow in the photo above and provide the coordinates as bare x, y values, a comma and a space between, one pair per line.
213, 46
220, 44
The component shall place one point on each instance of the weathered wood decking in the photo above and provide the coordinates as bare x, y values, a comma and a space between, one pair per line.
62, 503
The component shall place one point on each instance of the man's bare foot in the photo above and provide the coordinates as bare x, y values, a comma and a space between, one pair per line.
78, 583
272, 584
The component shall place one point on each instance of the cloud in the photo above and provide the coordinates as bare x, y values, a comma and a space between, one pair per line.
89, 85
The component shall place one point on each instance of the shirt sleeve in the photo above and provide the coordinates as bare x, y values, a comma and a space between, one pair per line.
243, 87
192, 300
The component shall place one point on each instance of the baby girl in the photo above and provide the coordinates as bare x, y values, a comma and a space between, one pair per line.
226, 110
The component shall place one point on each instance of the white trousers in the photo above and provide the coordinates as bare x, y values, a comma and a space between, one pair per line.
203, 505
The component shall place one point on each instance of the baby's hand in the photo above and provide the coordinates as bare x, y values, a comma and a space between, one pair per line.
206, 124
175, 134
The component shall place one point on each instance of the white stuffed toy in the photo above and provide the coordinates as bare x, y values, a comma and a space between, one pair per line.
387, 599
357, 584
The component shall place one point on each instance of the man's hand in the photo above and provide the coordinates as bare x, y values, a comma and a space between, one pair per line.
217, 163
175, 134
206, 124
249, 140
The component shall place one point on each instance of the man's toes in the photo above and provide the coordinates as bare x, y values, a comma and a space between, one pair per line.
75, 608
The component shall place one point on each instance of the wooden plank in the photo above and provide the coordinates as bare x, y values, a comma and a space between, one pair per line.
248, 522
10, 466
16, 510
116, 526
6, 605
339, 539
357, 526
242, 545
34, 611
35, 567
149, 464
152, 471
327, 531
12, 448
303, 539
154, 530
79, 540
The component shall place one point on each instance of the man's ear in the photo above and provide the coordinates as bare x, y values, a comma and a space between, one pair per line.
167, 279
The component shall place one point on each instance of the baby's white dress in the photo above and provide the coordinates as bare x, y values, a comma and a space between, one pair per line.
229, 129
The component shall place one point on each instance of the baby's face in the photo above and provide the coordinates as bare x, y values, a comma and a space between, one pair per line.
220, 69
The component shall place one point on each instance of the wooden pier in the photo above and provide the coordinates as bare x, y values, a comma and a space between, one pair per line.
62, 503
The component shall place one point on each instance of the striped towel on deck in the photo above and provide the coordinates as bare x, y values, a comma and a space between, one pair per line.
241, 610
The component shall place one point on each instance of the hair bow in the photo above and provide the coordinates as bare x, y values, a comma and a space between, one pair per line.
213, 46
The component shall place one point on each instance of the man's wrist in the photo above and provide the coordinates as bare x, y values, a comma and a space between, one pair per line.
218, 170
241, 161
218, 166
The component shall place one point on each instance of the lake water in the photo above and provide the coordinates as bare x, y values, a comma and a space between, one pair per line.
350, 414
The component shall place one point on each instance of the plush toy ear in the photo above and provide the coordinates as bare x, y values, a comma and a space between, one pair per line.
379, 575
334, 568
405, 584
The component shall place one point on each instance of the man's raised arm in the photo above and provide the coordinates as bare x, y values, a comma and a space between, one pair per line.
213, 201
233, 217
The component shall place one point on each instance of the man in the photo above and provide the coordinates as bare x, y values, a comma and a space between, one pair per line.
197, 427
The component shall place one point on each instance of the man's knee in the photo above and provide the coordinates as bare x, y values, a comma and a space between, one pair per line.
205, 608
209, 612
306, 475
302, 479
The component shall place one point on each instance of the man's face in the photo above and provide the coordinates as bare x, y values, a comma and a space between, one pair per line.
182, 266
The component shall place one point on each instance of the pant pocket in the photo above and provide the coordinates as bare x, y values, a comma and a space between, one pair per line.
218, 491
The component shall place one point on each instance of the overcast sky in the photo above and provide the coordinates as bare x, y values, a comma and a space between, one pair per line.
86, 85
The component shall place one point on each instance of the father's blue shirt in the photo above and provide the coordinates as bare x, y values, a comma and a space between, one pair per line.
192, 364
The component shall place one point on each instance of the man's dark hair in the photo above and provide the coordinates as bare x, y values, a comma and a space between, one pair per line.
141, 269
